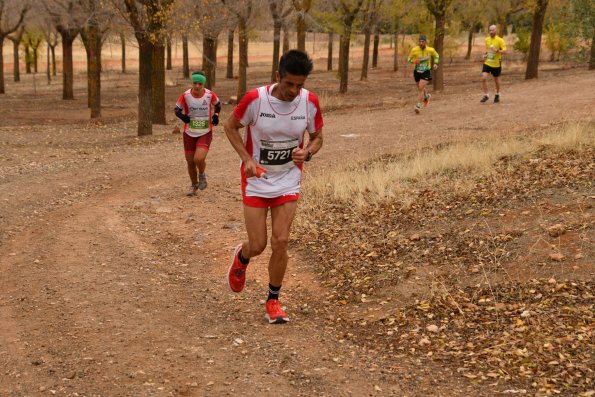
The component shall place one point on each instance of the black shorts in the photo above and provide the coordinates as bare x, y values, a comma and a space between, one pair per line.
427, 75
493, 71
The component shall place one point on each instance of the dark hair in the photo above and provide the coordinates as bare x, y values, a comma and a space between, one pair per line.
199, 72
295, 62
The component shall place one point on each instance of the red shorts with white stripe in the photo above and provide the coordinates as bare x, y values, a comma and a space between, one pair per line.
203, 142
265, 202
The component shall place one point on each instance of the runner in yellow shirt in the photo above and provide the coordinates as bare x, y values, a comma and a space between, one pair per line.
421, 57
492, 63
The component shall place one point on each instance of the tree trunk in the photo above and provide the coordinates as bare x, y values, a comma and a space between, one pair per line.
438, 75
366, 58
48, 69
15, 59
67, 69
592, 59
344, 60
229, 71
209, 59
276, 47
329, 57
300, 26
35, 56
92, 40
158, 84
168, 46
53, 49
285, 40
145, 87
470, 42
375, 50
27, 59
535, 45
185, 63
243, 49
396, 53
2, 88
123, 41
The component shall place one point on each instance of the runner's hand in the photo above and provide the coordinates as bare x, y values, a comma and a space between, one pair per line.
435, 66
185, 118
215, 119
250, 168
299, 155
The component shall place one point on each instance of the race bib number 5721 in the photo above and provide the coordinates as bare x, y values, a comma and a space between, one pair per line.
276, 155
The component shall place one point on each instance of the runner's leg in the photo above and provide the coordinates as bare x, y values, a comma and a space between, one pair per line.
191, 167
281, 218
200, 157
497, 83
484, 82
256, 227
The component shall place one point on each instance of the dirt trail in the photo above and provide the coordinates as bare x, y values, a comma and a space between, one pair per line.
112, 281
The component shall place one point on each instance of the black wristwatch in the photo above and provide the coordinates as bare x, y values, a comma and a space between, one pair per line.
309, 156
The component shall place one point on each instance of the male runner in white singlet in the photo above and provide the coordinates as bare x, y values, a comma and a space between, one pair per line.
272, 151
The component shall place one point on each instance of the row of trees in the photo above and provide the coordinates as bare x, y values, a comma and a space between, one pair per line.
155, 22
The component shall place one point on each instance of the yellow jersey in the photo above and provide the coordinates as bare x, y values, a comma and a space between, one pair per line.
494, 59
421, 58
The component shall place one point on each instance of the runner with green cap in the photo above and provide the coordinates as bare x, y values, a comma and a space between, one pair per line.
198, 107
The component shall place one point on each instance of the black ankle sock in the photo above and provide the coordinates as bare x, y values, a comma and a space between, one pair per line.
273, 292
242, 259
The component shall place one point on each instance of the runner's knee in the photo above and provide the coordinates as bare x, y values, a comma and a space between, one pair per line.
279, 243
256, 247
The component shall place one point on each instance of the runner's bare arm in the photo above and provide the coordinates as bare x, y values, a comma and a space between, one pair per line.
232, 131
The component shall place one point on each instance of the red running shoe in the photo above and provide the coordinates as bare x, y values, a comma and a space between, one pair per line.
236, 275
275, 315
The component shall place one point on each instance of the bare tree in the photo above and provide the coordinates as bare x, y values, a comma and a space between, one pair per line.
12, 14
92, 33
302, 7
279, 12
348, 11
242, 10
147, 18
16, 38
535, 46
438, 9
68, 19
230, 34
370, 21
213, 16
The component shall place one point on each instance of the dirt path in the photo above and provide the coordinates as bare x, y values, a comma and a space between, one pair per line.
112, 281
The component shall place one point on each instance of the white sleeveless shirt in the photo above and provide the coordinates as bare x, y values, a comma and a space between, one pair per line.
274, 129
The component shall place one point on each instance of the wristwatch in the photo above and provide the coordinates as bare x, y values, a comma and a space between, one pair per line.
309, 156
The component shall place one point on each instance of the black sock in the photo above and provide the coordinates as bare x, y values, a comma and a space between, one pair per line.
273, 292
242, 259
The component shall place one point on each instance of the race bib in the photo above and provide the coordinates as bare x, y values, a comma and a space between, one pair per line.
276, 155
422, 66
491, 56
199, 124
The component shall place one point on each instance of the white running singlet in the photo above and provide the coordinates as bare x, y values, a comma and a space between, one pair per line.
199, 110
273, 129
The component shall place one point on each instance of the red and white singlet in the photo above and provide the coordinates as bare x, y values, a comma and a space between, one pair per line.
199, 110
273, 129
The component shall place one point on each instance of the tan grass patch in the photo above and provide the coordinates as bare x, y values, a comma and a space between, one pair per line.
453, 167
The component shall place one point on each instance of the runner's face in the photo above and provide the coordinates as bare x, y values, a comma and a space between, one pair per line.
422, 44
492, 31
197, 88
289, 86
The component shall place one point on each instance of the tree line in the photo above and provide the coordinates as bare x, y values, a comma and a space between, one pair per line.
29, 23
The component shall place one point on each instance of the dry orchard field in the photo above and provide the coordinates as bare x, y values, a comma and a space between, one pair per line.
448, 253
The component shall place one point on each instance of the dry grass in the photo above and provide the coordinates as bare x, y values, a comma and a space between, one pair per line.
454, 167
